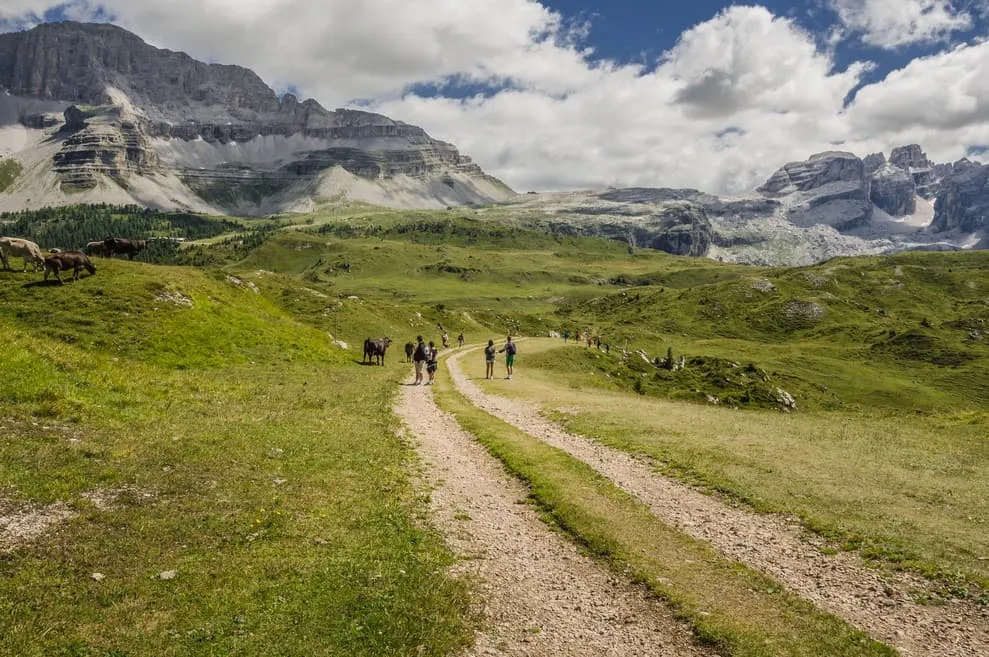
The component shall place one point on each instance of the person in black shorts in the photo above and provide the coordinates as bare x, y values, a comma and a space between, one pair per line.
489, 359
431, 363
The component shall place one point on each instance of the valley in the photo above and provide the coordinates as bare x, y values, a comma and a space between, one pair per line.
195, 428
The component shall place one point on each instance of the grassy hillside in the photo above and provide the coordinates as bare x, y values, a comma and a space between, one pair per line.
177, 421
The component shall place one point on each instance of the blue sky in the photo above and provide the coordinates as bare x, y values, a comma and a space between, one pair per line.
704, 93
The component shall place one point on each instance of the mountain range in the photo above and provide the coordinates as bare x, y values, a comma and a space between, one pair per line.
91, 113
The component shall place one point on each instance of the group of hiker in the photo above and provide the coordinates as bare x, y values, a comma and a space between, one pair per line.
424, 357
592, 341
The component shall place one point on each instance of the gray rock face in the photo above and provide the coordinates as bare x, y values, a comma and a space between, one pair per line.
674, 226
819, 170
97, 141
964, 199
830, 188
163, 96
873, 163
894, 190
910, 158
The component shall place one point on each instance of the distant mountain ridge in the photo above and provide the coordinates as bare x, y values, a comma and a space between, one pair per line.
832, 204
108, 110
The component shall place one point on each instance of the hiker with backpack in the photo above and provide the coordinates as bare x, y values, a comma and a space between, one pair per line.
509, 350
419, 357
431, 363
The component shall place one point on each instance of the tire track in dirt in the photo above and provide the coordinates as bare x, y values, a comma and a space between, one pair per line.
879, 603
540, 595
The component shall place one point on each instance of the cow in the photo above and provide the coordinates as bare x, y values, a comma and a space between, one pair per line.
15, 246
409, 348
113, 245
66, 260
374, 350
96, 249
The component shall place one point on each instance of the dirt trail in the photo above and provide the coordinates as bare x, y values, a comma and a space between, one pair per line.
540, 595
881, 604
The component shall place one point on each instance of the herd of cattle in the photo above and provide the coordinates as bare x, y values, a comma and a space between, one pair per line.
57, 260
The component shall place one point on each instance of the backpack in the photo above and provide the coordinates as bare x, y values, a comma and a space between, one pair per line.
422, 352
510, 348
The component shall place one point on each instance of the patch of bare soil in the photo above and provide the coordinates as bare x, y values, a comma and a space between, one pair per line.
882, 604
540, 595
20, 526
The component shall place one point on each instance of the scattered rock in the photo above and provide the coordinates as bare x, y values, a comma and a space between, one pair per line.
168, 574
241, 283
341, 344
763, 285
97, 577
174, 297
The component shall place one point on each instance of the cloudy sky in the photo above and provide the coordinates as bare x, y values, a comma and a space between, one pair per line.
564, 94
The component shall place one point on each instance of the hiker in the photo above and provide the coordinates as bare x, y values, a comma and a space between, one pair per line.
509, 350
607, 347
446, 340
590, 340
566, 337
489, 359
460, 340
419, 357
431, 363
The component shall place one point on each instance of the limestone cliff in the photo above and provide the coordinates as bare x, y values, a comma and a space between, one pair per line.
120, 108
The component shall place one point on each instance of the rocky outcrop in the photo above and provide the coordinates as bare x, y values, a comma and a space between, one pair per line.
820, 170
101, 141
894, 190
910, 158
829, 188
963, 203
873, 163
681, 229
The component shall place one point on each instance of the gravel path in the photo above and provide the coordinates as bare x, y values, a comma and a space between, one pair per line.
879, 603
540, 595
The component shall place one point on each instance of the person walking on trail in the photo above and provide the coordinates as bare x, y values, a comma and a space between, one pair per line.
566, 337
460, 340
446, 340
489, 359
419, 358
509, 350
431, 363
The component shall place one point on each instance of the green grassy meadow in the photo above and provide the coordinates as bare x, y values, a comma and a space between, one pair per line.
208, 395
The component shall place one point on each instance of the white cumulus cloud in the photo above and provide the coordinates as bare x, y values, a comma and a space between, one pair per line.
736, 96
896, 23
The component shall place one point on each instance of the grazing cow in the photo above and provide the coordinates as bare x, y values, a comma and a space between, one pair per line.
130, 248
66, 260
409, 349
96, 249
15, 246
374, 350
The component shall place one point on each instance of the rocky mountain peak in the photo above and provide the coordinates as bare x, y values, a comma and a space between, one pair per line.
208, 137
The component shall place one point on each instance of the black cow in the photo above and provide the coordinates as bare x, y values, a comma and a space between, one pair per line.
409, 350
374, 350
130, 248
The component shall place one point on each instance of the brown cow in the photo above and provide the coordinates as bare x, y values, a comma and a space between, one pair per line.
66, 260
131, 248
